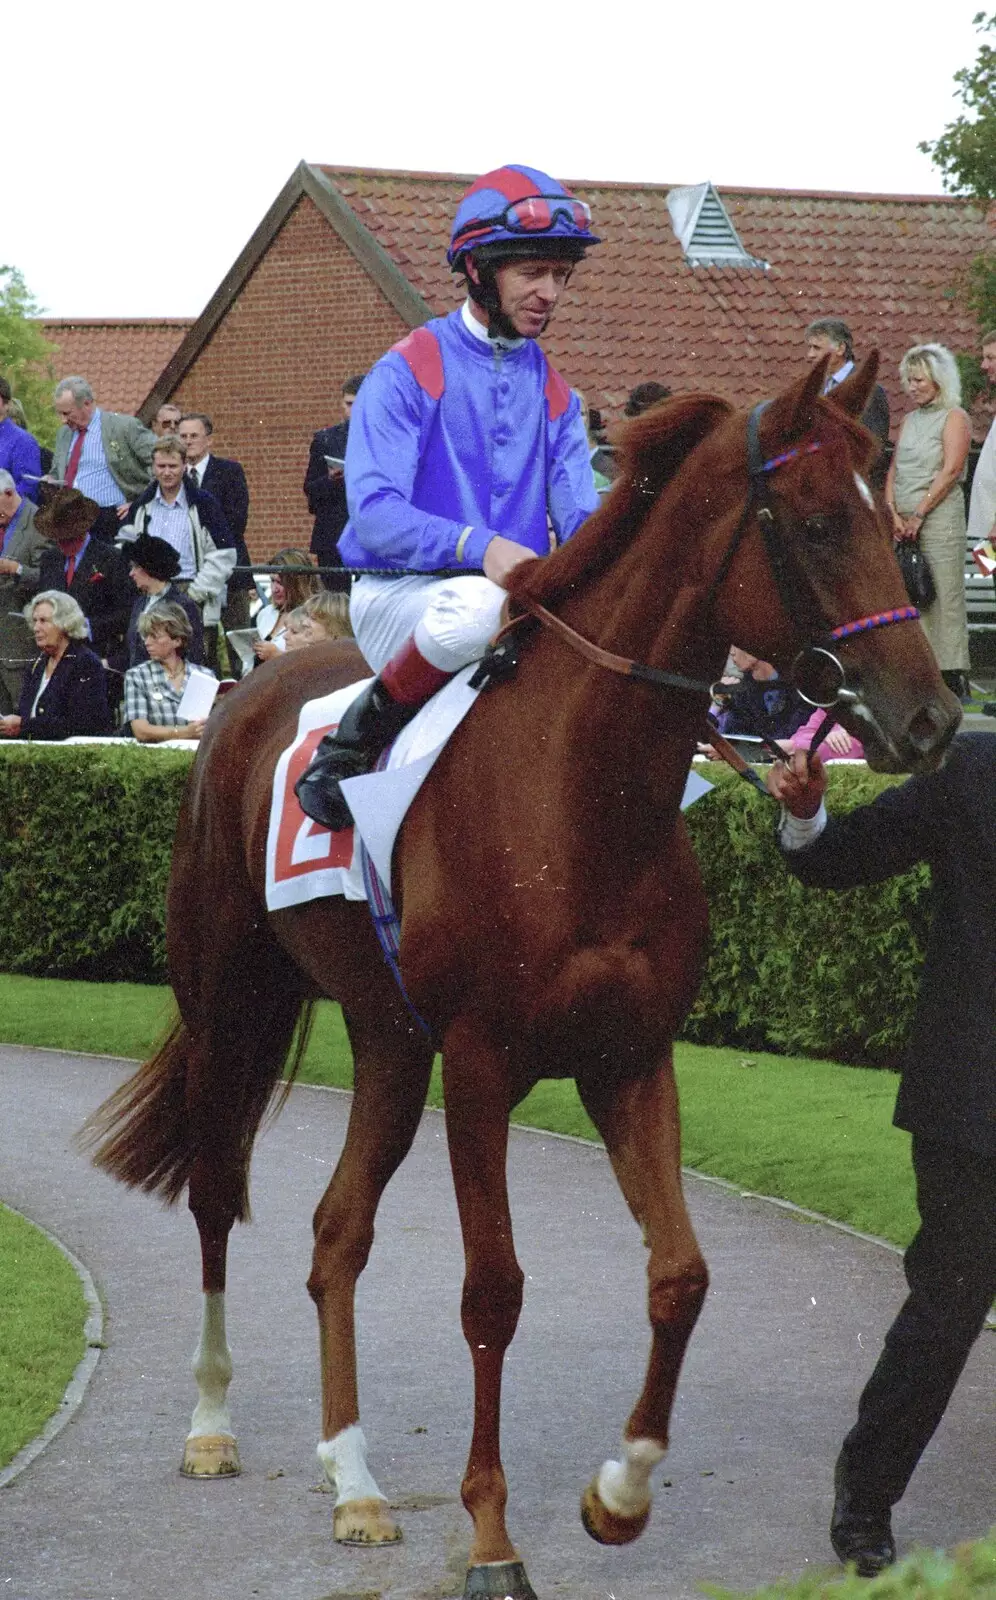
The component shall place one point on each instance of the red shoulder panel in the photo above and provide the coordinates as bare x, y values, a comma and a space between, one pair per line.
558, 393
422, 353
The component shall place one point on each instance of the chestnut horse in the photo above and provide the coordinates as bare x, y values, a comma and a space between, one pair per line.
553, 921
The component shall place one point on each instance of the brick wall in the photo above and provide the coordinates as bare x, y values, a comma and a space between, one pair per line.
271, 373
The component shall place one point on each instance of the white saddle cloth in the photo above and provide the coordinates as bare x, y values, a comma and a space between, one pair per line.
305, 861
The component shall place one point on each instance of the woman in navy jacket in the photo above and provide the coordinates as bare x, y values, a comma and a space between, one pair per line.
65, 693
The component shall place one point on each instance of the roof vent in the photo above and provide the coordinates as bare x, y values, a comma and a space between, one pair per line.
704, 230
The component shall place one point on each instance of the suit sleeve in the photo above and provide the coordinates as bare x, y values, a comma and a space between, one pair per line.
30, 578
900, 827
571, 492
143, 441
236, 502
382, 461
318, 486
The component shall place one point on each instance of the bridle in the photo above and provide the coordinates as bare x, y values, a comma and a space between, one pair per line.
797, 599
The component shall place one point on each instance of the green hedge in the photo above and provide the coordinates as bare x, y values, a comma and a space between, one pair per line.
803, 971
86, 833
85, 841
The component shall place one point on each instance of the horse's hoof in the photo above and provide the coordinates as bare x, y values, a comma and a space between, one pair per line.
364, 1522
211, 1455
605, 1526
498, 1580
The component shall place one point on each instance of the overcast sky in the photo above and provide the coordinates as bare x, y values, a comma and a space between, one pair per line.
139, 158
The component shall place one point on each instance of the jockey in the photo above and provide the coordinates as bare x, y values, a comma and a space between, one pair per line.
467, 455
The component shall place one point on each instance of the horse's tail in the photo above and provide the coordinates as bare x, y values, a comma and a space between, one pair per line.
148, 1132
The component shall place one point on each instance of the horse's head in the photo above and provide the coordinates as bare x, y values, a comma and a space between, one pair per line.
807, 577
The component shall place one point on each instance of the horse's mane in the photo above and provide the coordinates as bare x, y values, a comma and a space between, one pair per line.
652, 449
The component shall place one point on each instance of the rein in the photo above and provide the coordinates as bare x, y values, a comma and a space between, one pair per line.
797, 601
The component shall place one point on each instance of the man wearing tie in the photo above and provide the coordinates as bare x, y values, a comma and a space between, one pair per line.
829, 336
226, 481
106, 455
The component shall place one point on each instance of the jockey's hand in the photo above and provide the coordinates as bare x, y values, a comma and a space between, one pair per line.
502, 556
799, 783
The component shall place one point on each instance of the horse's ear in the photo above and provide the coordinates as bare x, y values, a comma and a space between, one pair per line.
854, 393
793, 413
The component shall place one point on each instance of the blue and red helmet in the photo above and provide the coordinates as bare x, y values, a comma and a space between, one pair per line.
519, 211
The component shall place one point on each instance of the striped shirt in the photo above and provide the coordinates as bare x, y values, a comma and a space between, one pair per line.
93, 476
172, 523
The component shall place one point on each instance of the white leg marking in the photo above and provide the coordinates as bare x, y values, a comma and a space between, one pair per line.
213, 1371
624, 1486
345, 1461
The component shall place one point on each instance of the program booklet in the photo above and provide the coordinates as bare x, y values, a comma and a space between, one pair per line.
242, 641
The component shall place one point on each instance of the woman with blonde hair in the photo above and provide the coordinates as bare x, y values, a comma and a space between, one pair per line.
323, 616
286, 594
924, 496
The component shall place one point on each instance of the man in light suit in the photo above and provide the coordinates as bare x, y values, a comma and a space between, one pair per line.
106, 455
21, 546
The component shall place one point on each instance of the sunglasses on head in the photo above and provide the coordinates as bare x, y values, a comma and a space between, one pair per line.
535, 214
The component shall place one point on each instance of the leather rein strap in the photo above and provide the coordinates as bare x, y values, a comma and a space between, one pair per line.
797, 601
599, 657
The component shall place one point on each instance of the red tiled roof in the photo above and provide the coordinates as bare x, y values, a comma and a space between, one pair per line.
888, 264
120, 358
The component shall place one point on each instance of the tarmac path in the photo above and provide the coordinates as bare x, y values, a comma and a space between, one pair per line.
791, 1328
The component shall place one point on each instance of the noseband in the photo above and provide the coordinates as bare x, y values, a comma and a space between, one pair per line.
797, 599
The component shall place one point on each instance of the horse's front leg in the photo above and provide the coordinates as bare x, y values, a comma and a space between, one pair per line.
475, 1083
638, 1119
392, 1078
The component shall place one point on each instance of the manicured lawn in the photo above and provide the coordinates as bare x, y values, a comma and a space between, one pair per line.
42, 1312
812, 1132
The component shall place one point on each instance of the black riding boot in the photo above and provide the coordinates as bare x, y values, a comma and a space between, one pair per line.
368, 727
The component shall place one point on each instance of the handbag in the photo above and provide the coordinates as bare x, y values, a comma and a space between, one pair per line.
917, 576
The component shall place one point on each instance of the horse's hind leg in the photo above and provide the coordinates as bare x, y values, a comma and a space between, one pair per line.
638, 1119
392, 1066
234, 1062
475, 1081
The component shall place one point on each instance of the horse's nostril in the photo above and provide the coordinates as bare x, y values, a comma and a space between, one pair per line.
931, 729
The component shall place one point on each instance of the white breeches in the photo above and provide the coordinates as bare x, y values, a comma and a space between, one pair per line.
452, 618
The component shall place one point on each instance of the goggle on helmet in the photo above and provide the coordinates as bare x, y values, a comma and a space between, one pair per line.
522, 211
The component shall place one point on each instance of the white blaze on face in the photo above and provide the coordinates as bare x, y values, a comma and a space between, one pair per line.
344, 1459
864, 491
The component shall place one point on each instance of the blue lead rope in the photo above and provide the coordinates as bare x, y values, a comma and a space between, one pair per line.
387, 927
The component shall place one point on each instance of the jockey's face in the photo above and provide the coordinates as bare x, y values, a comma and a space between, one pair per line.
529, 291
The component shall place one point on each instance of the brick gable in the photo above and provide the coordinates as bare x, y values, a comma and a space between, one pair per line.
271, 372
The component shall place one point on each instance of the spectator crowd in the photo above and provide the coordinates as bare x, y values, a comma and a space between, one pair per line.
139, 527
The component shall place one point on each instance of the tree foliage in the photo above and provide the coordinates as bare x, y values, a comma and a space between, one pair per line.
26, 355
966, 150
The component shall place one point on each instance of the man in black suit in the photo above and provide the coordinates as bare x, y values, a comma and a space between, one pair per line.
92, 570
226, 481
325, 489
947, 1100
829, 336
